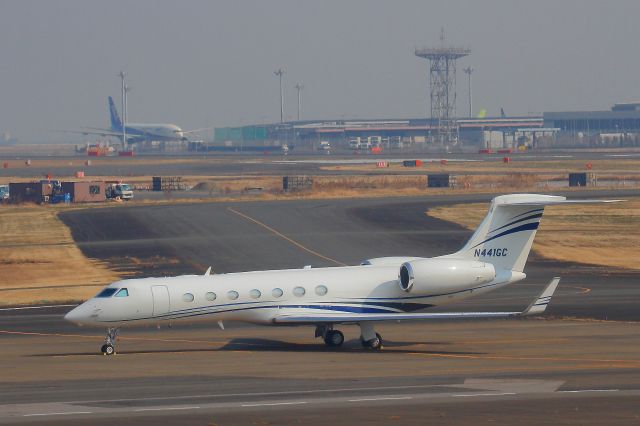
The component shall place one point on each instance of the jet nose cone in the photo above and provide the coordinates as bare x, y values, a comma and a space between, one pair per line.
80, 314
73, 315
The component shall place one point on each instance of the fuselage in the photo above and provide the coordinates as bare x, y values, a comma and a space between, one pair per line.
257, 297
153, 132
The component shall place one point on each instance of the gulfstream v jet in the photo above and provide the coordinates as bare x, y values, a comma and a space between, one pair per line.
381, 289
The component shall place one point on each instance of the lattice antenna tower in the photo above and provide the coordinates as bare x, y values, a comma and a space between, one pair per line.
442, 89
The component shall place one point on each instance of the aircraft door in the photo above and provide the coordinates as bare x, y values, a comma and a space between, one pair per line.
160, 299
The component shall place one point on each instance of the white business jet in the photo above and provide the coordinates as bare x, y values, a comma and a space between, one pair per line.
381, 289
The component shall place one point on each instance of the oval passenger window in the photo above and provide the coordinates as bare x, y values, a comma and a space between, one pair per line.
321, 290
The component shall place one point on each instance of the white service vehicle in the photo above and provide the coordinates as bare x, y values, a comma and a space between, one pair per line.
119, 190
381, 289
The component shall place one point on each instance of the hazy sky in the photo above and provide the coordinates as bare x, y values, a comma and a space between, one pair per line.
211, 63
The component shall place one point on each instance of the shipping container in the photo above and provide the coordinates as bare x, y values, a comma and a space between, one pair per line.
439, 180
85, 192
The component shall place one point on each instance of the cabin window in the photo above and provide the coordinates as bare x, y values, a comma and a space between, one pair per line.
123, 292
94, 189
187, 297
210, 296
107, 292
276, 292
299, 291
233, 295
255, 294
321, 290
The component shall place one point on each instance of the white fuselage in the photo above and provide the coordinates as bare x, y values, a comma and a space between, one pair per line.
155, 132
257, 297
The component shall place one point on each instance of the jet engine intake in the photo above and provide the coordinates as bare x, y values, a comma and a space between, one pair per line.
434, 276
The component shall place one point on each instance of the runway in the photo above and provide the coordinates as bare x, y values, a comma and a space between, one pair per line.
578, 365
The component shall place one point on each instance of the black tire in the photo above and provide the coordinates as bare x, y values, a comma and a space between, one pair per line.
108, 349
334, 338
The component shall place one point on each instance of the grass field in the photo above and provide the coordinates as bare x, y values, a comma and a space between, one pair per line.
596, 234
36, 252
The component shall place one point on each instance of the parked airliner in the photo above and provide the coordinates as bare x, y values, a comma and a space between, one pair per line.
138, 132
380, 289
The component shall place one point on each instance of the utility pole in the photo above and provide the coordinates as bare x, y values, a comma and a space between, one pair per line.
299, 87
468, 71
280, 72
123, 76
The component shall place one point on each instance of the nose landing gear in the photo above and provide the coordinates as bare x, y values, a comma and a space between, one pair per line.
109, 347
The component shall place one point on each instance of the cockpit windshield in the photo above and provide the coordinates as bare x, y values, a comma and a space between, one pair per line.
123, 292
107, 292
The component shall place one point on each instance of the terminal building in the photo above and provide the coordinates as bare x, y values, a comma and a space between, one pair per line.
618, 127
497, 132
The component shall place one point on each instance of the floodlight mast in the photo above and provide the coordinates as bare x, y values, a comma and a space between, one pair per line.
280, 72
299, 87
468, 71
123, 76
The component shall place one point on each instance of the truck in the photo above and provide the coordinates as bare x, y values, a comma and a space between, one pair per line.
119, 190
4, 193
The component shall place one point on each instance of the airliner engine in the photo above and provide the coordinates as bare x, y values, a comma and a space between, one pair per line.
437, 276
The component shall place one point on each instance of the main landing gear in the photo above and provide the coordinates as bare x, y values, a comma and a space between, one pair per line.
334, 338
330, 336
369, 338
109, 347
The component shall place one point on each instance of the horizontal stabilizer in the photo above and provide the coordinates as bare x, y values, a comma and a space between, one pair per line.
540, 304
558, 202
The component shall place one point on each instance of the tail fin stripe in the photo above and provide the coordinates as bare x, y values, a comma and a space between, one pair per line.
530, 211
526, 227
533, 216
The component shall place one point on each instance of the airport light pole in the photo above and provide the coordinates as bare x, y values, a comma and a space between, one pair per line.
280, 72
299, 88
468, 71
123, 76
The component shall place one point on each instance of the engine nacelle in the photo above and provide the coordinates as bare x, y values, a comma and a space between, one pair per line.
438, 276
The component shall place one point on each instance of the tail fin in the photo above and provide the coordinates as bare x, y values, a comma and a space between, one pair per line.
116, 123
505, 236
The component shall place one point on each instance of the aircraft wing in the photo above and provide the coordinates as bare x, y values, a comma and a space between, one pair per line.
94, 131
186, 132
536, 307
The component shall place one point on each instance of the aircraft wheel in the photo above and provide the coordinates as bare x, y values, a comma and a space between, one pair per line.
375, 343
334, 338
108, 349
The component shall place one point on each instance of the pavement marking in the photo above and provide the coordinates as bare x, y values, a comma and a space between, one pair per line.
281, 235
20, 308
270, 404
461, 395
527, 358
589, 390
58, 414
138, 410
249, 394
144, 339
384, 398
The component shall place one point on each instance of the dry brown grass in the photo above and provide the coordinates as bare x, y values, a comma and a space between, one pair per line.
605, 235
37, 250
495, 165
